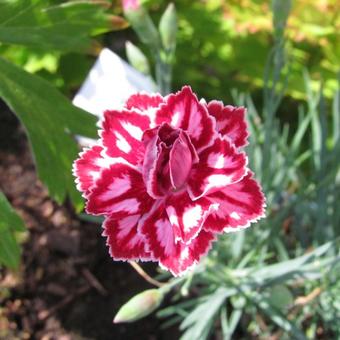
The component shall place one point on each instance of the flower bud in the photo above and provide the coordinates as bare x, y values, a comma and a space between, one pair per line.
141, 23
281, 10
137, 58
130, 5
139, 306
168, 27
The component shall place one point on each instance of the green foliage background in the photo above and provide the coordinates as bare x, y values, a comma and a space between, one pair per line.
283, 68
224, 44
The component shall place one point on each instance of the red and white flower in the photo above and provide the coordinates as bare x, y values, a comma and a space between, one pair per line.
169, 175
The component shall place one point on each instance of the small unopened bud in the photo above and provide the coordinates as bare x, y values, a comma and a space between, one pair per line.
130, 4
137, 58
139, 306
141, 22
168, 27
281, 10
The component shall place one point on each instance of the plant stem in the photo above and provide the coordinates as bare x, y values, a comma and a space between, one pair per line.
144, 275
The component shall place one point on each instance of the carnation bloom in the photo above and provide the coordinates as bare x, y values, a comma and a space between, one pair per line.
169, 175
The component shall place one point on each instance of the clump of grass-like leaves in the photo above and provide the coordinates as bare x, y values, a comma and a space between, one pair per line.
281, 276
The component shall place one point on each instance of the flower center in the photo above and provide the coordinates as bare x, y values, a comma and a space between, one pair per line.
169, 156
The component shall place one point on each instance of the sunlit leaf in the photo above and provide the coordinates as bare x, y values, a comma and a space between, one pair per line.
65, 27
51, 121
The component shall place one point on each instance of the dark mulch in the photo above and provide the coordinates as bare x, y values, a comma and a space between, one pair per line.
67, 286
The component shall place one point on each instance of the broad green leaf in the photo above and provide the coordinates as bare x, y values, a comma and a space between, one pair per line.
10, 223
280, 297
51, 121
65, 27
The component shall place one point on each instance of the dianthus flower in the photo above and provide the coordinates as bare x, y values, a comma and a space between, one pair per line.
169, 175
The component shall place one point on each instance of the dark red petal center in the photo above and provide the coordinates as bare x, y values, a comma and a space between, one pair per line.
168, 134
169, 156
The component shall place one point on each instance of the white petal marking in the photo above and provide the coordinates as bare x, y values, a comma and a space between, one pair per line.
165, 236
134, 241
235, 215
218, 180
133, 130
195, 123
118, 187
172, 215
174, 119
122, 143
191, 217
185, 253
126, 224
130, 205
216, 161
220, 124
105, 161
94, 174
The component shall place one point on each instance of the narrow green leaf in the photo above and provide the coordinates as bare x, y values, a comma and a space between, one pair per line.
144, 27
300, 132
336, 114
286, 270
277, 317
198, 323
234, 319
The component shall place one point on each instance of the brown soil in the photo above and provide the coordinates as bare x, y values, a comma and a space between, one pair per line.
67, 286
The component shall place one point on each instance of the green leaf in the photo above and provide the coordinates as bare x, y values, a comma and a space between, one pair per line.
66, 26
144, 27
280, 297
199, 322
277, 317
281, 10
10, 223
336, 114
51, 121
229, 326
301, 266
